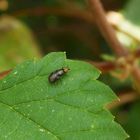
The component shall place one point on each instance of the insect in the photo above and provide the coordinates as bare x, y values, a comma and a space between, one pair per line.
56, 75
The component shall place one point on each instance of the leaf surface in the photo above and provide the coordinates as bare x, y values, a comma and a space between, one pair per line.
73, 108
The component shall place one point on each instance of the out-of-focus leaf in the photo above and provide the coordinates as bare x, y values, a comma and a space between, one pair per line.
126, 40
128, 33
132, 125
115, 83
16, 43
132, 11
108, 57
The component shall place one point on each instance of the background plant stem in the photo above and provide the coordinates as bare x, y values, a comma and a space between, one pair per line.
105, 28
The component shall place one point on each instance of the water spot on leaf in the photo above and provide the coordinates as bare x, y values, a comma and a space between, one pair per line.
29, 105
41, 90
48, 132
53, 110
15, 72
42, 130
70, 119
92, 126
40, 107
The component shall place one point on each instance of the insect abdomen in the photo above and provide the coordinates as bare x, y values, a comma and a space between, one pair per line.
56, 75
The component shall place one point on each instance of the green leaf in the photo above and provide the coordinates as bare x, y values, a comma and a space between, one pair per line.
132, 122
132, 10
108, 57
17, 43
73, 108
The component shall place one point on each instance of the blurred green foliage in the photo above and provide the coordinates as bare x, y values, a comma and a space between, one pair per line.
132, 11
16, 43
56, 32
132, 123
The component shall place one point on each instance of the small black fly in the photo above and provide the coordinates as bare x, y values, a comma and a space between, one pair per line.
56, 75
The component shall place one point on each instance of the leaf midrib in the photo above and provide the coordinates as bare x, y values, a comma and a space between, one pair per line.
29, 119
